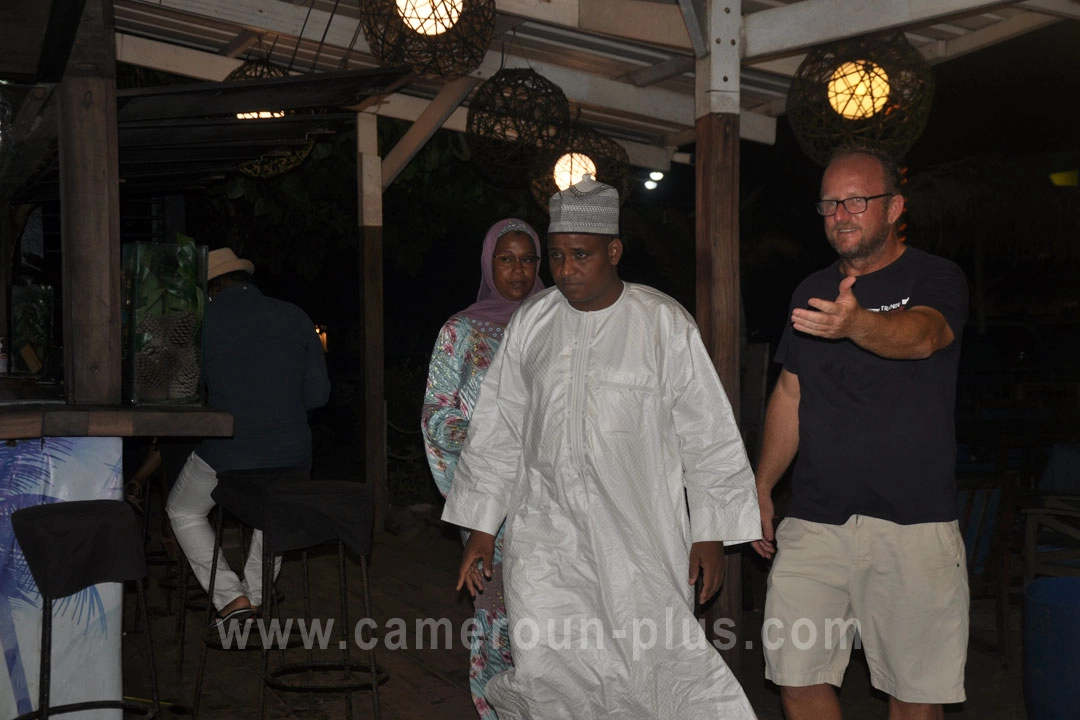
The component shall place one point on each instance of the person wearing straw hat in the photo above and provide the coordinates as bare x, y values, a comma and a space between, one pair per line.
264, 364
603, 437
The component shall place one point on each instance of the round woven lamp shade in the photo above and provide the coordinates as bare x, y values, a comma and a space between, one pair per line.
872, 91
515, 117
256, 70
437, 38
610, 163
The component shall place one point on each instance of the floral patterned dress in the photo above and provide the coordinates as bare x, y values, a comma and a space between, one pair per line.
462, 355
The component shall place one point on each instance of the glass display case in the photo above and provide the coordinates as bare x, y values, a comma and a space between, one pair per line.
32, 348
164, 298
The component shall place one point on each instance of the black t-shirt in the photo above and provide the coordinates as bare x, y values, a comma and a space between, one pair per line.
877, 436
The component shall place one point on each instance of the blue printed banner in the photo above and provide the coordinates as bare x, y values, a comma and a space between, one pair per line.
86, 626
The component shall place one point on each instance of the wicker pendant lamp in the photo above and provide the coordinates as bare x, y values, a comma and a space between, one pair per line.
581, 149
438, 38
515, 118
281, 160
874, 90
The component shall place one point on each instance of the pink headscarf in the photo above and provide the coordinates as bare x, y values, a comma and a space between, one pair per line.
490, 305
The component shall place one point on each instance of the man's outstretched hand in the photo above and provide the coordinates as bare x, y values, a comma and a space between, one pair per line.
479, 551
841, 318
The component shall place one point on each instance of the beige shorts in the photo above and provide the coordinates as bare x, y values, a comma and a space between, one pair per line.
900, 590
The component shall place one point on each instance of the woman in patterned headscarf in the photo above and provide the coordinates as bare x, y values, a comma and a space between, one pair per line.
463, 352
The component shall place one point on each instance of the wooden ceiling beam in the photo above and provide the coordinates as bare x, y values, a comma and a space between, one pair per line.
1015, 26
696, 21
655, 103
36, 38
674, 67
283, 18
430, 120
801, 25
1065, 9
582, 88
174, 59
228, 132
293, 92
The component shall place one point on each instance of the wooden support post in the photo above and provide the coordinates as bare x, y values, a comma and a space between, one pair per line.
717, 240
718, 289
718, 308
369, 176
90, 212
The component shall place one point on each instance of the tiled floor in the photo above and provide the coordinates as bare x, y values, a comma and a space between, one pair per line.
411, 579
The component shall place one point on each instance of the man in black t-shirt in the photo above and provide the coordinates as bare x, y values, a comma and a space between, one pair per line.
870, 550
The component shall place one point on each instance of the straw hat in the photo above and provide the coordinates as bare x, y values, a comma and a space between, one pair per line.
225, 261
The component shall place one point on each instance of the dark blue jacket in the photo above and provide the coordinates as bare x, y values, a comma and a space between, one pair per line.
264, 364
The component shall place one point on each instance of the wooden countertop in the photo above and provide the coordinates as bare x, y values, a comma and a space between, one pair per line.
28, 420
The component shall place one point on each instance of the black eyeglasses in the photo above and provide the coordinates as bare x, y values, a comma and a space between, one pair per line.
853, 205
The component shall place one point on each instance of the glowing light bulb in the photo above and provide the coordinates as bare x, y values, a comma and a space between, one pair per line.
650, 184
859, 89
430, 17
260, 114
570, 167
656, 175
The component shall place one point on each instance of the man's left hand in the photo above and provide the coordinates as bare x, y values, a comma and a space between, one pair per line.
833, 320
707, 562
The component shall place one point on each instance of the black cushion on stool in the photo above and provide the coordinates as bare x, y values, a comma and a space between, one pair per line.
72, 545
300, 515
243, 492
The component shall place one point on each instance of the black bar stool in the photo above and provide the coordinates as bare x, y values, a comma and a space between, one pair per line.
69, 546
301, 516
242, 494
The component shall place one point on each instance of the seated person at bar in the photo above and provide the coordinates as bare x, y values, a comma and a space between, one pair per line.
264, 364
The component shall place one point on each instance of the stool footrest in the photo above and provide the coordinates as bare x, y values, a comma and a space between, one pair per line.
128, 706
283, 677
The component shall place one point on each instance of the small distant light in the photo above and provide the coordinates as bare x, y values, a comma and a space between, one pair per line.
260, 115
650, 184
656, 175
1066, 178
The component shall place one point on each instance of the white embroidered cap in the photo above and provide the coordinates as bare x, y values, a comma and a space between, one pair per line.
590, 208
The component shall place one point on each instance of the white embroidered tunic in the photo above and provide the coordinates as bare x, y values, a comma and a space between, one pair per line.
588, 429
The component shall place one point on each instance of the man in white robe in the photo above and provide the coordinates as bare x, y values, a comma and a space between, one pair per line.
600, 423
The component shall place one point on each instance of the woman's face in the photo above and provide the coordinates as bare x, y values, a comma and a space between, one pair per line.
513, 265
